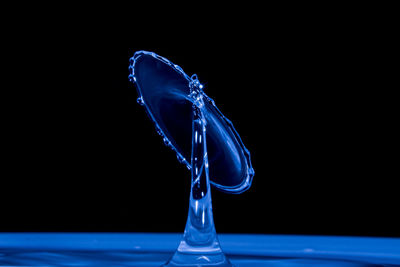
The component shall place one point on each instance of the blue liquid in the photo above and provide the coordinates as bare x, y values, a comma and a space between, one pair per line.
200, 245
152, 259
150, 250
164, 91
190, 124
182, 112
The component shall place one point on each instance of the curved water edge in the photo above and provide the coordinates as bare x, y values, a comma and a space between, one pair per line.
164, 91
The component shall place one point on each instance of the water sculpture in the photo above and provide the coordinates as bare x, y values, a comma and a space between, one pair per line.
204, 140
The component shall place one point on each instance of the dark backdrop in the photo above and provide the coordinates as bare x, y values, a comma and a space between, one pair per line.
80, 155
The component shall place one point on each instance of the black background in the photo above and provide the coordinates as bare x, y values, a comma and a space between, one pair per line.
80, 155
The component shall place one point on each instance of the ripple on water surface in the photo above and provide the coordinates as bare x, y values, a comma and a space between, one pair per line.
32, 258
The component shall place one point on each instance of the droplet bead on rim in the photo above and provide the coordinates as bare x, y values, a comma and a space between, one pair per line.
167, 142
140, 101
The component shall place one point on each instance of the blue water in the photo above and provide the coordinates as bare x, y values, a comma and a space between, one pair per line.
190, 124
127, 258
164, 91
58, 249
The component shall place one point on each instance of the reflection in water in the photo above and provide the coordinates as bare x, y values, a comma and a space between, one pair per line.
115, 258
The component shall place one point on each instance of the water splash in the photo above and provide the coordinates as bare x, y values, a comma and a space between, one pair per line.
235, 157
200, 245
170, 98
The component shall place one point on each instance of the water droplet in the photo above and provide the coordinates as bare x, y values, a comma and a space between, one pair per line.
140, 101
167, 142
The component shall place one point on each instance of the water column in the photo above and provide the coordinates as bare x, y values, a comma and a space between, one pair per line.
200, 245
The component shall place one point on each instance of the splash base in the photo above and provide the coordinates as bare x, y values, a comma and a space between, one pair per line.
181, 259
